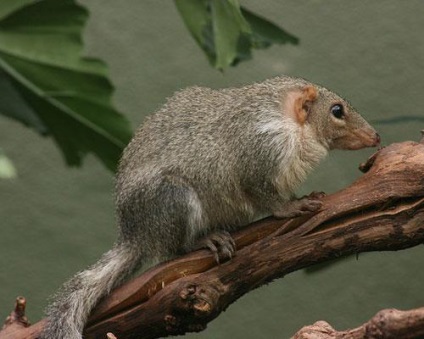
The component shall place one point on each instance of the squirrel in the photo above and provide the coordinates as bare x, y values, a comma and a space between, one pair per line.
206, 163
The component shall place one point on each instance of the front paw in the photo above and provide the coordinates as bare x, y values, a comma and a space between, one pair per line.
221, 244
302, 206
315, 195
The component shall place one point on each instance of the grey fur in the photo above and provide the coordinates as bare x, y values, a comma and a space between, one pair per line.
78, 296
208, 160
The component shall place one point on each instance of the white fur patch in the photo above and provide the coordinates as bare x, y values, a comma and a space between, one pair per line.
195, 216
299, 153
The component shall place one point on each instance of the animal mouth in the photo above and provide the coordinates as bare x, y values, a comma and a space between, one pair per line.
368, 138
357, 139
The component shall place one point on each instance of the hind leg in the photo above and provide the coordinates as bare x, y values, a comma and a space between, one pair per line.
163, 216
167, 218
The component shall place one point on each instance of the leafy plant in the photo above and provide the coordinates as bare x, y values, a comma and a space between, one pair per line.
47, 85
227, 32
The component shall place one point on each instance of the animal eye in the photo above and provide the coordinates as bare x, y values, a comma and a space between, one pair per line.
338, 111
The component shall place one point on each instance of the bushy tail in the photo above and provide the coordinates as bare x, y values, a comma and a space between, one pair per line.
69, 312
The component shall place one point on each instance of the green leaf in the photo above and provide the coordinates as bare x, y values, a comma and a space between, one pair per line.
7, 170
231, 33
14, 105
197, 18
265, 33
226, 32
51, 87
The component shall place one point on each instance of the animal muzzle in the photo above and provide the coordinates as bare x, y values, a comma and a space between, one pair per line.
368, 137
357, 139
361, 138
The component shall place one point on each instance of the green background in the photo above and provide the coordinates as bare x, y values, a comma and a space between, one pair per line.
56, 220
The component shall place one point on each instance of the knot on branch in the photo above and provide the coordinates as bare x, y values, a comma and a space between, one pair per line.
194, 307
17, 317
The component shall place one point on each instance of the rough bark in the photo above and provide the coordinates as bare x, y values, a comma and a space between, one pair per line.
382, 210
388, 323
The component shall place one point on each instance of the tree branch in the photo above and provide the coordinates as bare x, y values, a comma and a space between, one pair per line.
382, 210
389, 323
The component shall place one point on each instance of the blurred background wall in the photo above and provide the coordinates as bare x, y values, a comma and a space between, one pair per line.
57, 220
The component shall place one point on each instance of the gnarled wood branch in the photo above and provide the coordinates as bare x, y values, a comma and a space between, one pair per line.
388, 323
382, 210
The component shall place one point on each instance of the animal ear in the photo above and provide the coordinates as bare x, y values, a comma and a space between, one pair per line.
302, 100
